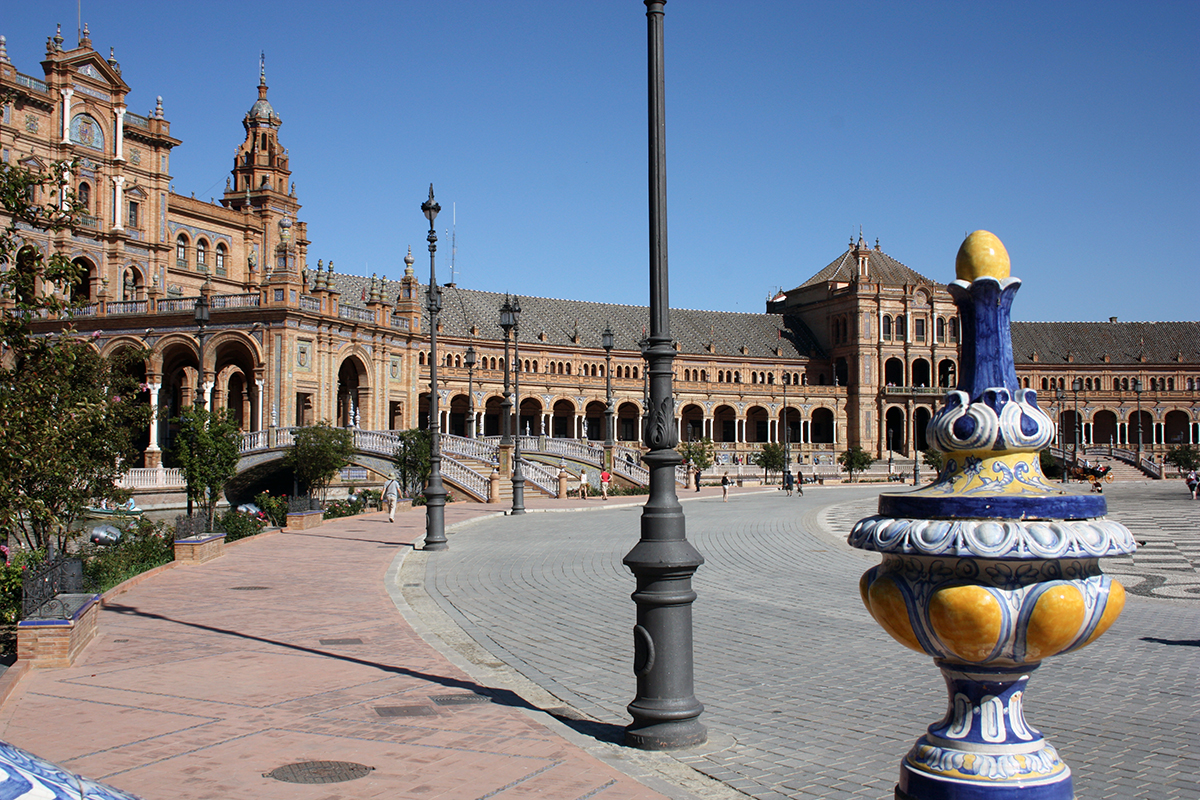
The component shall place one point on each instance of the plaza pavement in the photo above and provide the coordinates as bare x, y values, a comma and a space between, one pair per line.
806, 696
505, 663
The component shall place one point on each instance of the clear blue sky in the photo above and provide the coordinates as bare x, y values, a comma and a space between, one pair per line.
1068, 129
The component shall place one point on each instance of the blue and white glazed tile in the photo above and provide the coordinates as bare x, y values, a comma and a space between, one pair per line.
24, 776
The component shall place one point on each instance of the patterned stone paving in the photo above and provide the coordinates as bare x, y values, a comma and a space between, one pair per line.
806, 696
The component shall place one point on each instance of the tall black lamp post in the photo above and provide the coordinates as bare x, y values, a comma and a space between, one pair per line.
666, 713
510, 321
1061, 398
889, 435
435, 492
1077, 386
1137, 390
507, 321
606, 341
201, 315
469, 360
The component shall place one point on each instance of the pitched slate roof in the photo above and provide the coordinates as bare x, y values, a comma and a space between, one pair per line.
561, 320
881, 268
1090, 342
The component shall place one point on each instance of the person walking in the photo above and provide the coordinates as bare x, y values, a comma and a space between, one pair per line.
583, 484
724, 488
696, 478
787, 482
605, 477
391, 496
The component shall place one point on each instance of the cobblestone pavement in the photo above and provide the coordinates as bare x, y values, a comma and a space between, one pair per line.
806, 697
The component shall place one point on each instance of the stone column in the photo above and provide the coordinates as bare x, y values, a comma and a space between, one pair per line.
258, 404
119, 136
119, 203
153, 453
66, 114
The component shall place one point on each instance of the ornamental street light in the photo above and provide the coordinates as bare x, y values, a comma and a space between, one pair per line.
1076, 387
510, 321
201, 315
606, 341
666, 713
1137, 390
469, 360
435, 491
1060, 397
507, 323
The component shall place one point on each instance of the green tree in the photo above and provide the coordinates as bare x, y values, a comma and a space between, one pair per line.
855, 460
701, 452
933, 459
318, 452
771, 458
1183, 457
206, 449
69, 414
412, 460
1049, 464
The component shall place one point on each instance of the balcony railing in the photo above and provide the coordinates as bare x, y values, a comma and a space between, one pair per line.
249, 300
356, 314
310, 303
126, 307
176, 304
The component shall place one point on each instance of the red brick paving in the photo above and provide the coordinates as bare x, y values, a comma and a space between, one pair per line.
195, 688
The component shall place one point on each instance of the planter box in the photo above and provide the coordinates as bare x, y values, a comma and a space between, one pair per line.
200, 549
304, 520
51, 643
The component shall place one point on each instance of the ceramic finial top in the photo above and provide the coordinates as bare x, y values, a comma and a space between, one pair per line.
982, 255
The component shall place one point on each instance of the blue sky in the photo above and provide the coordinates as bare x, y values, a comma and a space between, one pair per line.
1068, 129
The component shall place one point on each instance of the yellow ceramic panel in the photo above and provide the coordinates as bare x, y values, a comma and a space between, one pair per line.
967, 619
1112, 610
1055, 622
982, 255
887, 607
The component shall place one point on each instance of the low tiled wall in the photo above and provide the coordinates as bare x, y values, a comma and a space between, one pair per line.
200, 549
305, 520
56, 642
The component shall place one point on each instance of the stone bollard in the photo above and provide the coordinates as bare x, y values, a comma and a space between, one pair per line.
989, 569
494, 486
562, 483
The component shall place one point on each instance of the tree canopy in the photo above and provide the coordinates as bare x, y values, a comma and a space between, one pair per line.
412, 460
1183, 457
855, 460
318, 452
700, 452
206, 449
771, 458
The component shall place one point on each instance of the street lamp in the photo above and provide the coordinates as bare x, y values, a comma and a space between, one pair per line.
435, 491
606, 341
510, 321
666, 713
1076, 388
889, 443
1137, 390
1060, 397
201, 315
469, 360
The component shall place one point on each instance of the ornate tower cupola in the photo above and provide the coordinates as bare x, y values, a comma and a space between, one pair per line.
261, 163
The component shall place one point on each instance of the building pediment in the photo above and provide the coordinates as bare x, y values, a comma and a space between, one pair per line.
88, 70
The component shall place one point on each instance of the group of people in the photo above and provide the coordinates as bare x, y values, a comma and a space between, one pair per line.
584, 484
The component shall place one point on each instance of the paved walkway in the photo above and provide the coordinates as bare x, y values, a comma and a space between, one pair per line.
806, 696
291, 649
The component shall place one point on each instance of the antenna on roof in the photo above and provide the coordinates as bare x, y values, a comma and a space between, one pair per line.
453, 237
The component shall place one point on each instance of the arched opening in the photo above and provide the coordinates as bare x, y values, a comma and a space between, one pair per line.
921, 417
920, 373
234, 362
1071, 432
1141, 424
724, 424
83, 289
948, 374
692, 417
563, 420
593, 420
887, 328
459, 407
895, 428
842, 372
530, 417
132, 285
628, 415
25, 279
790, 432
352, 393
1176, 428
893, 372
821, 430
758, 429
1104, 427
491, 416
181, 249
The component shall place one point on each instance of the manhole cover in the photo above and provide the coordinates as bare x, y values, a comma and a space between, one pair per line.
341, 641
249, 588
405, 711
118, 641
459, 699
319, 772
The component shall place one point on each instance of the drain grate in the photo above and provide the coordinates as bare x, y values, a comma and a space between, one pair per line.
118, 641
459, 699
319, 772
341, 641
249, 588
405, 711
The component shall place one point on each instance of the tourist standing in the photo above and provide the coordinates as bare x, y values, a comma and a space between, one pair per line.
391, 496
724, 488
605, 477
787, 482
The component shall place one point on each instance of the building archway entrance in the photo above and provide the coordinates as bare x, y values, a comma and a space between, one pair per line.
895, 430
563, 420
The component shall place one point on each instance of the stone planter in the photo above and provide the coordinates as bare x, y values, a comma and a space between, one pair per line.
200, 549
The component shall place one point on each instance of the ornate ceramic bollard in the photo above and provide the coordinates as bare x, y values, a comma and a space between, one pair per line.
989, 569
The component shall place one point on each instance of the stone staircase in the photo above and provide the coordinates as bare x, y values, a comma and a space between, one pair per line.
1121, 470
485, 468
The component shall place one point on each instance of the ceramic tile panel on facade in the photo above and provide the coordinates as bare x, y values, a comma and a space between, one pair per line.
989, 569
24, 776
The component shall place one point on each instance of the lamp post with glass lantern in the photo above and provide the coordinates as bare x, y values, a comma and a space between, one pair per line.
1060, 397
201, 316
469, 360
606, 341
435, 491
1076, 388
510, 321
1137, 391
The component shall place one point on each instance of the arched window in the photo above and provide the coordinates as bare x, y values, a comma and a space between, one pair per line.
535, 367
220, 259
264, 141
901, 328
1125, 384
720, 376
887, 328
804, 379
83, 197
201, 255
737, 377
704, 376
941, 330
770, 377
635, 373
181, 252
1170, 384
421, 358
954, 329
1087, 384
1045, 385
1027, 383
568, 368
458, 361
754, 377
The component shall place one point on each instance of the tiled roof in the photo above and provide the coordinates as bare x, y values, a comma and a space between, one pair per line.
727, 331
881, 268
1122, 342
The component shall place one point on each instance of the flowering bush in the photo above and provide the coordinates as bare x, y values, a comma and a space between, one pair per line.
240, 524
343, 508
275, 508
143, 546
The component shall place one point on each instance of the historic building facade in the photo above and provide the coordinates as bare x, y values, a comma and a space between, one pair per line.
859, 354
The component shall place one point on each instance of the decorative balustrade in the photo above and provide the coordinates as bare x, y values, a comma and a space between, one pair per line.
87, 221
310, 303
88, 310
175, 304
356, 314
136, 119
471, 448
464, 476
249, 300
540, 477
253, 440
633, 471
285, 437
32, 83
399, 321
1149, 466
381, 442
125, 307
571, 448
151, 478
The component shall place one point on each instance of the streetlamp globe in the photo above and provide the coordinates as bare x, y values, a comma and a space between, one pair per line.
201, 316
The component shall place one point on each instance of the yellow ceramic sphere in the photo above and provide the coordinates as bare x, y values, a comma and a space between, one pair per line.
968, 620
886, 604
1112, 609
1055, 622
982, 255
